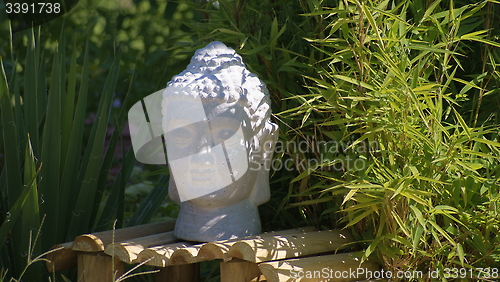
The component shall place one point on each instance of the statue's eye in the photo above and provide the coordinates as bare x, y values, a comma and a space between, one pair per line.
182, 137
224, 134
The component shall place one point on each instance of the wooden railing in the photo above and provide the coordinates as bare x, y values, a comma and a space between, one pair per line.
274, 256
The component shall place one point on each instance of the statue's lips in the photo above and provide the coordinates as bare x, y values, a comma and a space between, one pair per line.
204, 176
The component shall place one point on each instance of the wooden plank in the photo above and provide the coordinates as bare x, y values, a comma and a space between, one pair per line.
237, 270
338, 268
179, 273
61, 257
212, 251
286, 246
129, 250
97, 242
219, 250
98, 267
185, 255
160, 255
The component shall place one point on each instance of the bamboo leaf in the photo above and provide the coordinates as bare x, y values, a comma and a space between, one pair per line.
353, 81
487, 142
228, 31
431, 49
442, 232
364, 186
367, 13
430, 10
359, 217
482, 40
461, 254
349, 195
274, 34
373, 246
304, 174
419, 216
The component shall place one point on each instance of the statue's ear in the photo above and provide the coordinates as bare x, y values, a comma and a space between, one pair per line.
261, 193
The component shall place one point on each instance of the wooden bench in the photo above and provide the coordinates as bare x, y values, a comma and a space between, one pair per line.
274, 256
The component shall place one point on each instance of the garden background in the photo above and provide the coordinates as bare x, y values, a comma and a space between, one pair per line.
397, 103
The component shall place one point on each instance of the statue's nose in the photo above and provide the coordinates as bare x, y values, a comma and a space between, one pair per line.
205, 155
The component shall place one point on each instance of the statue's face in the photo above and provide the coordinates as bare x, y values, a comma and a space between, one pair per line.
208, 149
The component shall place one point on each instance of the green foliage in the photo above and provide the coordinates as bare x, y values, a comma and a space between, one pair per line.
148, 33
393, 106
65, 91
389, 98
62, 173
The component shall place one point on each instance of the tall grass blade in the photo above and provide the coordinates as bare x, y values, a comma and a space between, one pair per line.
69, 184
31, 91
89, 174
51, 158
30, 214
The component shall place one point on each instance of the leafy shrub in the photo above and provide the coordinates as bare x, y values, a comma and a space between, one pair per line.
397, 88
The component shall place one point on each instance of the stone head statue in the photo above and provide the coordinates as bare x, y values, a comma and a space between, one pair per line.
217, 134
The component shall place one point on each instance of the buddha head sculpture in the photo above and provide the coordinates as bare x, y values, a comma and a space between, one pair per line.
218, 136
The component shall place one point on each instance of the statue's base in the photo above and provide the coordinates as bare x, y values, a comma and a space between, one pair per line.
206, 225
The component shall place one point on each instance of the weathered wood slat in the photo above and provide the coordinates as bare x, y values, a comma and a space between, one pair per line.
338, 268
63, 258
212, 251
160, 255
98, 267
185, 255
220, 249
176, 254
129, 250
237, 270
253, 258
289, 245
97, 242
